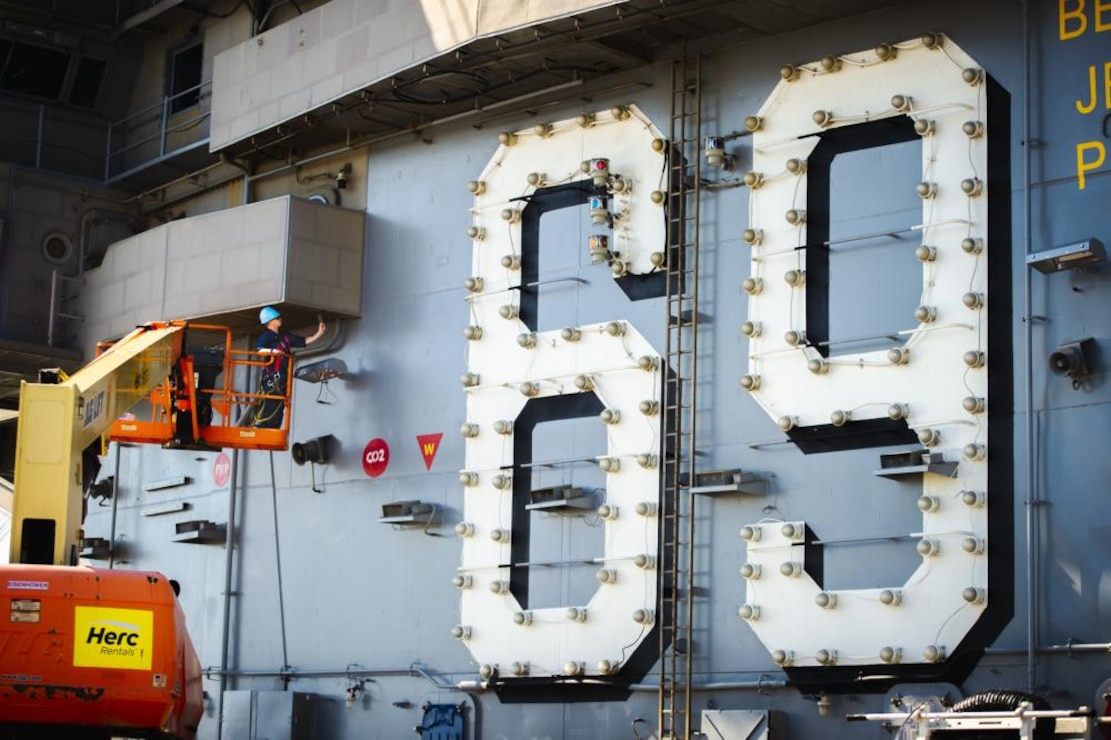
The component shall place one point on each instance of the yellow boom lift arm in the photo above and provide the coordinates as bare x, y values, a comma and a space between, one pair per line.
59, 422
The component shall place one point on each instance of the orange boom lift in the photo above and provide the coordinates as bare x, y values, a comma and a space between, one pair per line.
89, 652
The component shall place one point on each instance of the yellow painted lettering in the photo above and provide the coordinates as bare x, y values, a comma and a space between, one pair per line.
1106, 85
1102, 6
1083, 165
1077, 14
1091, 106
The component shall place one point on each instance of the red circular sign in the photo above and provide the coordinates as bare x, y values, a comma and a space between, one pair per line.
376, 457
221, 470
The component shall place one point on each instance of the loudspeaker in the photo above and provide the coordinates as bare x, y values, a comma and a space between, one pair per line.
1072, 358
316, 450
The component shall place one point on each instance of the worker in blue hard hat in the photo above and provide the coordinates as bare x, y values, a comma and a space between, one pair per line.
276, 345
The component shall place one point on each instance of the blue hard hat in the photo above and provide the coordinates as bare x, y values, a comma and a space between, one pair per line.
268, 314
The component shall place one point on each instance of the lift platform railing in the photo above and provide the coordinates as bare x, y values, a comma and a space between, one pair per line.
212, 399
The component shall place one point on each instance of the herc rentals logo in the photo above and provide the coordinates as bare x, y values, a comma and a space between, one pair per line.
112, 638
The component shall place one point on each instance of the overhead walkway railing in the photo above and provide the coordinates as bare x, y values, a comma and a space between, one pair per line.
52, 138
157, 133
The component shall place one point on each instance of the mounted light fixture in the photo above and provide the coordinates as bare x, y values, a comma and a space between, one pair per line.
1069, 257
973, 129
599, 210
974, 358
713, 149
791, 531
972, 245
791, 569
610, 416
972, 187
599, 247
354, 693
891, 597
599, 171
925, 253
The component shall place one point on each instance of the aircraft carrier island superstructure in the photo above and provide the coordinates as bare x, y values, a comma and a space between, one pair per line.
691, 368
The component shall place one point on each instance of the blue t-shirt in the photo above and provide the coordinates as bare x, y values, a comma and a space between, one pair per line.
281, 343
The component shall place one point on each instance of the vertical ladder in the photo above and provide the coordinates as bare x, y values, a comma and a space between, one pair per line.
676, 517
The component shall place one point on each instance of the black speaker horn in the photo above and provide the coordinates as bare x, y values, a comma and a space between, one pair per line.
1073, 358
316, 450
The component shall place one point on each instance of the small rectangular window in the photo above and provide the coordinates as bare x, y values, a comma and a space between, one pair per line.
185, 77
32, 70
86, 83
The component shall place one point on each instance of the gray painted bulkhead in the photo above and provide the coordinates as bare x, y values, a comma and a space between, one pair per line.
353, 594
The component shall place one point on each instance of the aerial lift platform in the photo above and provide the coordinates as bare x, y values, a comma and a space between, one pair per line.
86, 652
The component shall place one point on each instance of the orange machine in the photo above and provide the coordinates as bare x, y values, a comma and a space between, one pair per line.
95, 651
84, 652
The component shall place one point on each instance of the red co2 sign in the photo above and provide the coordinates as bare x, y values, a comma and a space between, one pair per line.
376, 457
221, 470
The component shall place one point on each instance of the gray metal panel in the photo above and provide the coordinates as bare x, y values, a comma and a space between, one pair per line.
283, 715
283, 250
267, 715
318, 58
735, 724
238, 709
